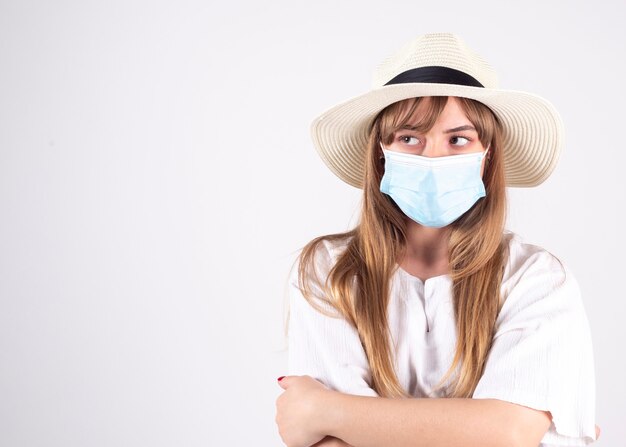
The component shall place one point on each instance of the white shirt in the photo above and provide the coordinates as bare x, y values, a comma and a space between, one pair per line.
541, 356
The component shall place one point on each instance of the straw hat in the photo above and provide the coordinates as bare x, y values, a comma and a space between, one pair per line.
442, 65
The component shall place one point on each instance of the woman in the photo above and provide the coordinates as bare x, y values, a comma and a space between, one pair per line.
429, 296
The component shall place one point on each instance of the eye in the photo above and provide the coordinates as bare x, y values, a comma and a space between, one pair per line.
459, 141
409, 140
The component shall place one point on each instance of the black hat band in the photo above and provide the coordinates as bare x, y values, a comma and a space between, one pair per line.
435, 75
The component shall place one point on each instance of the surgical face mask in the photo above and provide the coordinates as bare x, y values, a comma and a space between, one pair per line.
434, 192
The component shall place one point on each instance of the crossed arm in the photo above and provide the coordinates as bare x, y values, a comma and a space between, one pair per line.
308, 412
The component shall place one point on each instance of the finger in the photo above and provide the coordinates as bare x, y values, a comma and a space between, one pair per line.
283, 382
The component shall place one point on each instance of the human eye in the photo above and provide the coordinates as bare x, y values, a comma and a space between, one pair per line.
409, 140
459, 141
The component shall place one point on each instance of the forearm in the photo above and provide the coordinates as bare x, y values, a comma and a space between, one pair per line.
375, 422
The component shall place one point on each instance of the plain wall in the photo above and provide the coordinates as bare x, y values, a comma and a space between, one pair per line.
157, 177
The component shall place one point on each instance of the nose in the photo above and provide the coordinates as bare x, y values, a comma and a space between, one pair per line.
433, 149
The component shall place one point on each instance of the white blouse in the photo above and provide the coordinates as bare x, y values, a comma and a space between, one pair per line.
541, 356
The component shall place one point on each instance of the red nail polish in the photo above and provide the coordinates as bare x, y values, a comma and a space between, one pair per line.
281, 378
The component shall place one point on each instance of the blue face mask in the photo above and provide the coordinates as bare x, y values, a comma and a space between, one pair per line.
434, 192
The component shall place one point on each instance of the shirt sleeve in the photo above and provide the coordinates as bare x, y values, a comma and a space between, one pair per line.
542, 354
325, 347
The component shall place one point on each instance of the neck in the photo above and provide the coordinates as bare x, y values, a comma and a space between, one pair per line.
426, 251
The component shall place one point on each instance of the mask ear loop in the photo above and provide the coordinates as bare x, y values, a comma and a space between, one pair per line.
487, 153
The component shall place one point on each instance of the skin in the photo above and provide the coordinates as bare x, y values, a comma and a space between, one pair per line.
310, 414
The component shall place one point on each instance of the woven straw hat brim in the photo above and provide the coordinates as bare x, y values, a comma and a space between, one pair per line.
532, 129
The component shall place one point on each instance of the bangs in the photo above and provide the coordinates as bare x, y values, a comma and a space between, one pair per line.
404, 114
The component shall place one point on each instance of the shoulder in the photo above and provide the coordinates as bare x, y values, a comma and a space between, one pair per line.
526, 261
329, 248
536, 283
309, 274
319, 256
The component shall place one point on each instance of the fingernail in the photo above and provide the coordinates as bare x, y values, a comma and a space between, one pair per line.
281, 378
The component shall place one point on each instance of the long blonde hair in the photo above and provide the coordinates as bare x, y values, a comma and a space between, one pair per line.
358, 284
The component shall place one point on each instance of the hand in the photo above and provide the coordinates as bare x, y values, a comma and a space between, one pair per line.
298, 410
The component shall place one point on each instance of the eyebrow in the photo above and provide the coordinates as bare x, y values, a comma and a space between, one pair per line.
459, 129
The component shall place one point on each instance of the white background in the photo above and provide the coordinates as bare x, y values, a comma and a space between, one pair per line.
157, 177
